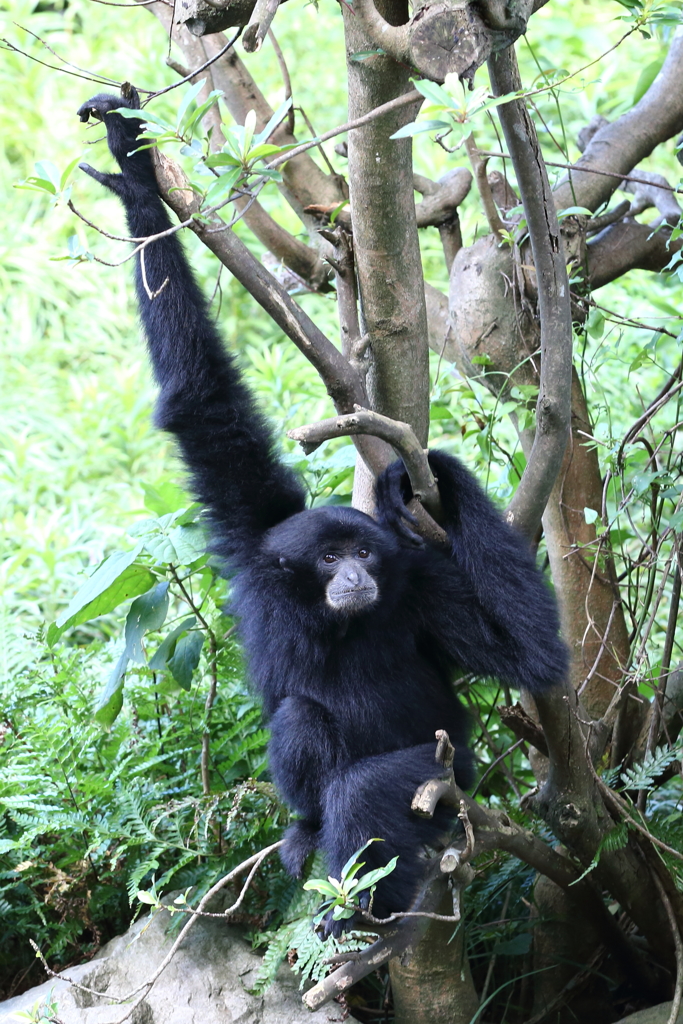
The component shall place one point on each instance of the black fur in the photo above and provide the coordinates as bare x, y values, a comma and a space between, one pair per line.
353, 700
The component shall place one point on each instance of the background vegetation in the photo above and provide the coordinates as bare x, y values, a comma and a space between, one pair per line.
91, 811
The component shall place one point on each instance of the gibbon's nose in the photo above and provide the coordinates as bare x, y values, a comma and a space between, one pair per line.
352, 577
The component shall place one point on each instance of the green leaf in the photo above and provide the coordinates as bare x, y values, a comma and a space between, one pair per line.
221, 189
646, 78
362, 55
165, 651
68, 172
189, 96
574, 211
193, 117
435, 93
186, 658
110, 701
146, 117
267, 149
146, 897
38, 185
517, 946
274, 121
222, 160
596, 324
147, 614
343, 913
189, 542
322, 886
46, 169
249, 128
371, 878
167, 497
111, 584
352, 865
418, 127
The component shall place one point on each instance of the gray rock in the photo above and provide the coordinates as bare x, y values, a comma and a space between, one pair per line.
655, 1015
207, 982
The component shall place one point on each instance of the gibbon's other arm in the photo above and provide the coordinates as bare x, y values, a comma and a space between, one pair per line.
222, 436
487, 606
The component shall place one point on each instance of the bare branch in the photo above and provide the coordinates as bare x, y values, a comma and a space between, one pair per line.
522, 725
259, 24
620, 146
399, 435
626, 246
401, 101
442, 198
479, 167
553, 410
252, 863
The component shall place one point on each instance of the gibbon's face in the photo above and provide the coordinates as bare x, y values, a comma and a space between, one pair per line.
338, 554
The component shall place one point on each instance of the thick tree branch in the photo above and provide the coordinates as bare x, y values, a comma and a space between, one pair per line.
618, 147
626, 246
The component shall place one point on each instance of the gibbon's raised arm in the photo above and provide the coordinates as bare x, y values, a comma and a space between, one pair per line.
508, 627
223, 438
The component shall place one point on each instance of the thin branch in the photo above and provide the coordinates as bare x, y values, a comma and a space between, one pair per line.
494, 765
286, 80
253, 862
54, 53
479, 167
197, 71
400, 101
589, 170
65, 71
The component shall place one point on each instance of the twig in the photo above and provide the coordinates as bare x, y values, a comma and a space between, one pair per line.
678, 991
495, 764
58, 55
400, 101
588, 170
197, 71
287, 81
150, 294
344, 384
65, 71
479, 167
253, 862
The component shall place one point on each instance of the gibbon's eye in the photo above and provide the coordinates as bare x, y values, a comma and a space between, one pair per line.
330, 559
363, 553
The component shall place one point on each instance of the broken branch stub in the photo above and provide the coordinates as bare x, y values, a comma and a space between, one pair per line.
448, 37
204, 17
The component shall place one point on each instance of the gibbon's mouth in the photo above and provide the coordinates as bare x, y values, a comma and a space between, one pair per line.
352, 600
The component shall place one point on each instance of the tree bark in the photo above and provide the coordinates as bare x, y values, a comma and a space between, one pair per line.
386, 244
